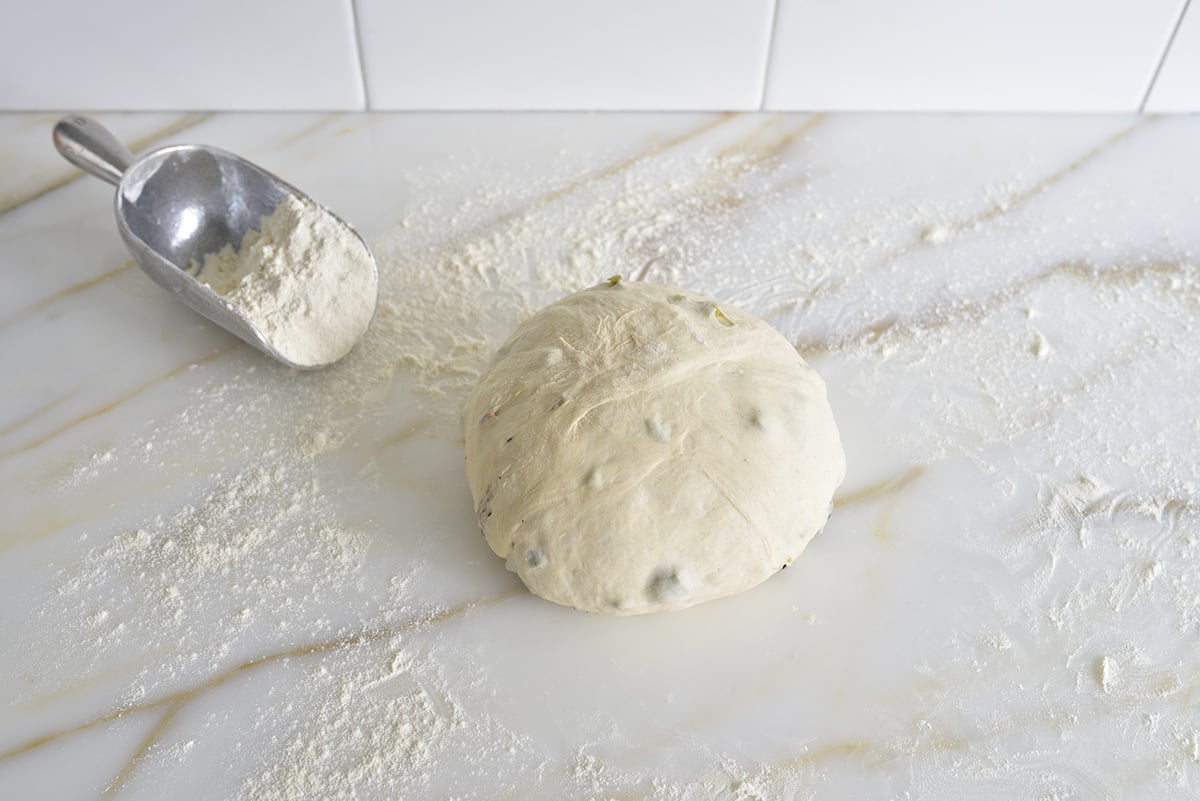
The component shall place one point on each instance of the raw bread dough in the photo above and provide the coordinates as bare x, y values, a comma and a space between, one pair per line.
636, 448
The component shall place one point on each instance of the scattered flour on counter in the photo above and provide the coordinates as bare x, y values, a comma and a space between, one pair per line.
304, 280
266, 561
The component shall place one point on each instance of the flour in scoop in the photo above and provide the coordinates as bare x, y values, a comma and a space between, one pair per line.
305, 280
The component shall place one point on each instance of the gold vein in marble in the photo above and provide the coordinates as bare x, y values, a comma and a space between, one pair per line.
710, 196
405, 434
56, 518
594, 177
143, 748
1021, 198
1000, 209
38, 412
725, 783
775, 147
10, 202
65, 293
975, 311
295, 136
882, 489
864, 749
176, 701
108, 407
87, 682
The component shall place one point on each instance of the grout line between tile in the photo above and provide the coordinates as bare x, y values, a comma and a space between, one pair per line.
762, 97
1163, 58
358, 52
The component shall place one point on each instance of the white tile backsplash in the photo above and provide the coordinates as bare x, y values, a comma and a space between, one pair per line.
552, 54
149, 54
1178, 84
903, 55
1024, 55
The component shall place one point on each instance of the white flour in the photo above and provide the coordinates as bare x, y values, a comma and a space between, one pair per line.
305, 281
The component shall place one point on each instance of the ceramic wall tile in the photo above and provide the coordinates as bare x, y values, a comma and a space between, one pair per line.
546, 54
140, 54
1073, 55
1178, 85
1026, 55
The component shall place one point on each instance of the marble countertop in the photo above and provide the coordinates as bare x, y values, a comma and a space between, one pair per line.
223, 579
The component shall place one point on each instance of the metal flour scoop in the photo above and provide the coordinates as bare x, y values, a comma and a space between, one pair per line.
177, 204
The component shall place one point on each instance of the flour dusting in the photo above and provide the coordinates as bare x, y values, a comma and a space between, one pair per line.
304, 280
960, 343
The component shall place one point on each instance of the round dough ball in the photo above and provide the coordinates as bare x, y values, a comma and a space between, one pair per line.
637, 448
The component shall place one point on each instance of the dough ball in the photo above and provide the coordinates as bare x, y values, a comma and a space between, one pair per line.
637, 448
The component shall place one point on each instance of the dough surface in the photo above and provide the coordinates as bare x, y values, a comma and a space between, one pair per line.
638, 448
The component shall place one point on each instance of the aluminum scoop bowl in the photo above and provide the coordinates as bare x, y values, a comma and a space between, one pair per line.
177, 204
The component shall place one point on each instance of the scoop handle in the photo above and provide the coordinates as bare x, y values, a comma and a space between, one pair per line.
92, 148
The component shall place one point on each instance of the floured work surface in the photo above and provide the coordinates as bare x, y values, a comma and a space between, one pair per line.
226, 579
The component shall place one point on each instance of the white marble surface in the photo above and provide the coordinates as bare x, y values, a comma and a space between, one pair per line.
220, 579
